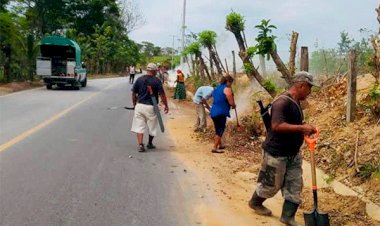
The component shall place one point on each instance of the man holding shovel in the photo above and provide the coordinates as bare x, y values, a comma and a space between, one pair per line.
282, 163
144, 115
200, 98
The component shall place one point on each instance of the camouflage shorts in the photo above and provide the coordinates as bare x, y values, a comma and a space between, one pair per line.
283, 173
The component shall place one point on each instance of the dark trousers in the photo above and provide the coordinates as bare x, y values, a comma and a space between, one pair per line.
131, 78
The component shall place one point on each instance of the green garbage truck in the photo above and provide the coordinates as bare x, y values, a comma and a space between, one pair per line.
59, 63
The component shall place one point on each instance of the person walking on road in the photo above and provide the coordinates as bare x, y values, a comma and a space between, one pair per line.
282, 163
132, 72
180, 90
144, 115
223, 100
200, 98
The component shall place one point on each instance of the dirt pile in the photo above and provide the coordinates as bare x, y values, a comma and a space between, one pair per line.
350, 152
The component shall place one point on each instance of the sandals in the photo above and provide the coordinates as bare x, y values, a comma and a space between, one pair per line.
217, 151
141, 148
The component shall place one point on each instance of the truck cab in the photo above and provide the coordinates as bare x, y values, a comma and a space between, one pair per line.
60, 63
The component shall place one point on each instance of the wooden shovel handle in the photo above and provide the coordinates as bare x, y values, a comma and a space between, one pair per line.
311, 143
237, 120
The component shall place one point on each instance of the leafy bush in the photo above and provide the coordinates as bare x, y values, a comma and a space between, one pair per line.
235, 22
265, 41
251, 51
368, 170
270, 86
248, 68
374, 93
207, 38
193, 48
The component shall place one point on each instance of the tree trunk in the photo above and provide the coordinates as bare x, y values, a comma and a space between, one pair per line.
293, 51
351, 87
30, 56
378, 15
225, 59
233, 63
326, 65
211, 64
188, 64
262, 65
203, 67
304, 59
246, 61
215, 59
197, 68
281, 67
376, 57
7, 66
218, 58
240, 42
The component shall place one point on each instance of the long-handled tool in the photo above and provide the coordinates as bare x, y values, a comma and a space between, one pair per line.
238, 126
156, 109
314, 217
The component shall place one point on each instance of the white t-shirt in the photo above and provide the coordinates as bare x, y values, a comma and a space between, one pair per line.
132, 70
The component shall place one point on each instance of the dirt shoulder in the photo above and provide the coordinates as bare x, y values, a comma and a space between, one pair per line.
225, 182
222, 182
6, 88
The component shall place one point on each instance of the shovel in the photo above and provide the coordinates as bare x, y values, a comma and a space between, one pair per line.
238, 126
314, 217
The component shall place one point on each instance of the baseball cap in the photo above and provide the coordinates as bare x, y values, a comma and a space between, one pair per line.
304, 76
151, 67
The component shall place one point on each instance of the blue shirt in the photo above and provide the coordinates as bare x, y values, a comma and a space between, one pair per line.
203, 92
220, 105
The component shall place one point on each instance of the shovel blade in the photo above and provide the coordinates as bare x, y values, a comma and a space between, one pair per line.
316, 218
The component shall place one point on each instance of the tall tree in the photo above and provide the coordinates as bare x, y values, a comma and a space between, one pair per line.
235, 24
207, 39
195, 49
267, 46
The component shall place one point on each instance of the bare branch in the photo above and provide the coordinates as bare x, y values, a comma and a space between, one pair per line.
131, 16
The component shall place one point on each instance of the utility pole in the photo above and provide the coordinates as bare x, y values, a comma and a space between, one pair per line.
173, 50
183, 31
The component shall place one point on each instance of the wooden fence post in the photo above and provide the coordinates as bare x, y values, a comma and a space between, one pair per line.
304, 59
225, 60
233, 64
351, 87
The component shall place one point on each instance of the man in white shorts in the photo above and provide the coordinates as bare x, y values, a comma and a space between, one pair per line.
144, 113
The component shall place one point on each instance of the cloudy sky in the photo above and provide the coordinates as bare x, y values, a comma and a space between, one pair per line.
318, 21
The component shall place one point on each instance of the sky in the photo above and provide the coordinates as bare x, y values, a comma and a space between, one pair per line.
316, 21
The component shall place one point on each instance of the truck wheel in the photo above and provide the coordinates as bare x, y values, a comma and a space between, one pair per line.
49, 86
84, 83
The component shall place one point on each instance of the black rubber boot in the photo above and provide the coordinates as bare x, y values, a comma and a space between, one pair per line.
256, 203
289, 210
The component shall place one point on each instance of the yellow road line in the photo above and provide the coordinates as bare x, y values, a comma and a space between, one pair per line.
33, 130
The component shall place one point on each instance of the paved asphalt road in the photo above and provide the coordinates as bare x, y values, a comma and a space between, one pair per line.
65, 159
